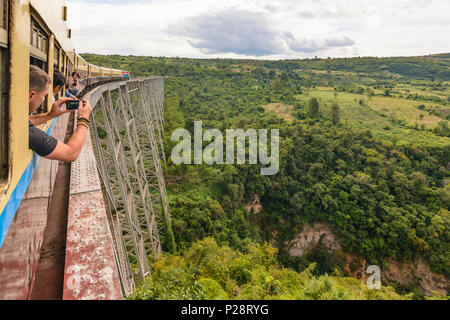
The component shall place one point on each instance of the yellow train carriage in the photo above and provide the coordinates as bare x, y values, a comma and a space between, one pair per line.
116, 73
94, 71
31, 32
82, 68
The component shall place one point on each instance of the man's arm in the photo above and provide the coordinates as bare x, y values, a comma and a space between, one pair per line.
69, 152
38, 119
56, 111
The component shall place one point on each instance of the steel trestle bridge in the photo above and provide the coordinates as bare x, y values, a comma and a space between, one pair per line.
115, 203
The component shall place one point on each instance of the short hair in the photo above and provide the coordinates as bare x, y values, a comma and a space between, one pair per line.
75, 73
38, 79
59, 79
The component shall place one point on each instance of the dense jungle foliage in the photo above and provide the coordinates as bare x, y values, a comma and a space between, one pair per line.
364, 148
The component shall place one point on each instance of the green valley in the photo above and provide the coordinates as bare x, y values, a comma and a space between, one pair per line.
364, 152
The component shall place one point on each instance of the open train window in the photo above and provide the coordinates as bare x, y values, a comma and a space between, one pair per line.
39, 53
56, 57
38, 41
4, 81
56, 64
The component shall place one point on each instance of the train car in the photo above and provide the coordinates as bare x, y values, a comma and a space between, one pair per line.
31, 32
82, 68
125, 75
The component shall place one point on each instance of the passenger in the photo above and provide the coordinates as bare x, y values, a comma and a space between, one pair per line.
43, 144
73, 89
59, 80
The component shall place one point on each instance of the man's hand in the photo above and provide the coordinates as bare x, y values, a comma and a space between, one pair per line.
84, 110
57, 107
38, 119
71, 150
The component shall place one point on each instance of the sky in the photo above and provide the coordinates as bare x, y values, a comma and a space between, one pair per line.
261, 29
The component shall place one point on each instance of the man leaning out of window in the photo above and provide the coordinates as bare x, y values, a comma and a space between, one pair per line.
47, 146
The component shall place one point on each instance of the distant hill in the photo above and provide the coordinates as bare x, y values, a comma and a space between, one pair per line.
431, 67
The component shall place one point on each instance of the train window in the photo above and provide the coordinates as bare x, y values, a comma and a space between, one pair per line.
3, 14
4, 82
3, 23
64, 13
43, 65
39, 53
38, 41
57, 51
3, 113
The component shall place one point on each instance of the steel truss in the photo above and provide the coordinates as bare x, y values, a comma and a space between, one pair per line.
127, 137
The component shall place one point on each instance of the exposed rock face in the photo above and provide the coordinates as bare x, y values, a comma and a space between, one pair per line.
404, 273
310, 236
255, 205
417, 272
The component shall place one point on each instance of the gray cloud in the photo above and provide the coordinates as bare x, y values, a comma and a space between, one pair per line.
306, 14
235, 31
312, 45
345, 9
271, 8
247, 33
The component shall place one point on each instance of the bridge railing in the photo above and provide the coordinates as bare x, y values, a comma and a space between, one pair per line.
118, 199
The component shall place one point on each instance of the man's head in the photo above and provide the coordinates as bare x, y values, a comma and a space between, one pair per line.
39, 82
58, 81
75, 75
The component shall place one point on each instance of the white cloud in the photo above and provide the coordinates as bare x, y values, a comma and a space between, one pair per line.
269, 29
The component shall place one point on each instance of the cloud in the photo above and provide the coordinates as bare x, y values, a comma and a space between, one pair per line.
247, 33
313, 45
268, 29
230, 31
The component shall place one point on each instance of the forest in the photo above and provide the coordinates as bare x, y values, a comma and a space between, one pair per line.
364, 149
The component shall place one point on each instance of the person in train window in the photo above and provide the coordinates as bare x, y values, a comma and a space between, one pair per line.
43, 144
73, 89
59, 80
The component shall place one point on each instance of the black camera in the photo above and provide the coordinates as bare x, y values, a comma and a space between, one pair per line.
72, 104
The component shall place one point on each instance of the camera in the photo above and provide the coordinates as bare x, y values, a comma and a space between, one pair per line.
72, 105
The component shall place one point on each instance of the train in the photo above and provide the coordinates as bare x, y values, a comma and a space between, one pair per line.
32, 32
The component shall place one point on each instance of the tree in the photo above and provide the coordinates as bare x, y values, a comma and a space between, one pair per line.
272, 74
278, 85
442, 129
335, 113
308, 83
313, 107
284, 77
259, 71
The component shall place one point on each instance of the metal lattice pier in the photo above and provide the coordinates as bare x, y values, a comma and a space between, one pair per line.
127, 141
